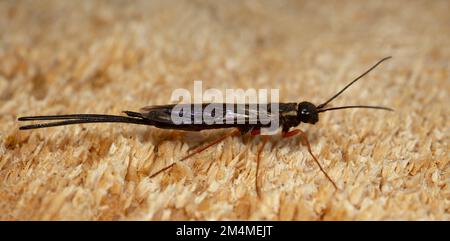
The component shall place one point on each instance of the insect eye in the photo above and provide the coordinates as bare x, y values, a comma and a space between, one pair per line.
305, 112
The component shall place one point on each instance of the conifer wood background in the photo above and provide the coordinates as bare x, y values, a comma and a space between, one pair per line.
59, 57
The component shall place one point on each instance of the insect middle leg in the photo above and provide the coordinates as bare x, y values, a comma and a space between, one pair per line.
304, 137
197, 151
258, 163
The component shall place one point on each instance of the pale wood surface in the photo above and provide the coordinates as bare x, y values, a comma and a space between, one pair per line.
107, 56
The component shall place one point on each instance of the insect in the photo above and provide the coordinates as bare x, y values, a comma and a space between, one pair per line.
290, 115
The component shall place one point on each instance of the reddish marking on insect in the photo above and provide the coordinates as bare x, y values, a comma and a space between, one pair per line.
255, 132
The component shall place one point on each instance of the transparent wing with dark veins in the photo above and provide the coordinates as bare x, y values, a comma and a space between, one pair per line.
230, 113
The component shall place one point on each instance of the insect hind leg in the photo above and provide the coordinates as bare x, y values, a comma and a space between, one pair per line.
198, 151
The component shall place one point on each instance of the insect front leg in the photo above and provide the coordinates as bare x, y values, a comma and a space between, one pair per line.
287, 134
305, 141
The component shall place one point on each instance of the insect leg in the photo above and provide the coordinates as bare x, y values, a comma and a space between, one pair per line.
288, 134
197, 151
255, 132
306, 142
258, 161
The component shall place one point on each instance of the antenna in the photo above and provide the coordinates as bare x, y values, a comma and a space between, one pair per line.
348, 85
356, 106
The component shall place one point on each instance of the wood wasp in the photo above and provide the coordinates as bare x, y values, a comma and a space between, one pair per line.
290, 115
